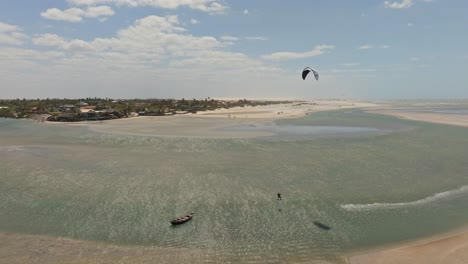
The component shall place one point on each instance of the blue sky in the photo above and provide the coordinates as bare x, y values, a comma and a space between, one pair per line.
369, 49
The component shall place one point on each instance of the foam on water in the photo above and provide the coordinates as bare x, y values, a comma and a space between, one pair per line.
423, 201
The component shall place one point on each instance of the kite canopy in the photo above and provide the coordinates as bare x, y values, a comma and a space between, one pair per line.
307, 70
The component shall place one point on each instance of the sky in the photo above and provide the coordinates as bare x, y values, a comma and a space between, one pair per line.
366, 49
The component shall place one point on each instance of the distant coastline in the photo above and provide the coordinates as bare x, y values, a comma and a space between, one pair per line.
98, 109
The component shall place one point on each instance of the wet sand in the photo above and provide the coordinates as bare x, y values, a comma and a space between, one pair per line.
443, 250
25, 249
439, 118
39, 249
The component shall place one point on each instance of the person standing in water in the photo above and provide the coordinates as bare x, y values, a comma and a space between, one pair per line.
279, 196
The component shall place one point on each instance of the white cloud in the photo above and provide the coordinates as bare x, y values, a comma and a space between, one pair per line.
218, 59
209, 6
194, 21
404, 3
256, 38
98, 11
52, 40
151, 40
385, 46
4, 28
365, 47
76, 14
11, 34
399, 5
70, 15
286, 55
414, 59
28, 54
245, 12
153, 50
410, 24
229, 38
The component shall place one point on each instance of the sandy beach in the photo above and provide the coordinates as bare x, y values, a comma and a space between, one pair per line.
211, 124
444, 249
446, 119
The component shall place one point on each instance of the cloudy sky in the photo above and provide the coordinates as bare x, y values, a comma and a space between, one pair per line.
372, 49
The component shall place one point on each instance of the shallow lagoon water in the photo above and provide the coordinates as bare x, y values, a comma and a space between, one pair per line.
448, 111
371, 189
303, 130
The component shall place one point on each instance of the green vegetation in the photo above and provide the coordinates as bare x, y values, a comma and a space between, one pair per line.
107, 108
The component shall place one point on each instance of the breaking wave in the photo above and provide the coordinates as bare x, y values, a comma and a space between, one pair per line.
426, 200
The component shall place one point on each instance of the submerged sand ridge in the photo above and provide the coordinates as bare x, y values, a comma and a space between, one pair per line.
24, 249
453, 112
440, 118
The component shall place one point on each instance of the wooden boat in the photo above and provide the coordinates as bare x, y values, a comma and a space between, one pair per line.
182, 219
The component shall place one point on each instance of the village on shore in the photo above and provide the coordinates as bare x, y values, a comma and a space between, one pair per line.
96, 109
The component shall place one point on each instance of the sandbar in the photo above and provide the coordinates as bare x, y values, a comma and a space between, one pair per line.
210, 124
439, 118
451, 249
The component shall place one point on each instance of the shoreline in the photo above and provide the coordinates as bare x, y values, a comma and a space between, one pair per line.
211, 124
448, 247
459, 120
18, 248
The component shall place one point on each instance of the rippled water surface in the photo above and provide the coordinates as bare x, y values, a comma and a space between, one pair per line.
370, 189
307, 130
448, 111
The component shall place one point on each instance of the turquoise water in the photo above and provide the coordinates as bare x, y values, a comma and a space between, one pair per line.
371, 189
447, 111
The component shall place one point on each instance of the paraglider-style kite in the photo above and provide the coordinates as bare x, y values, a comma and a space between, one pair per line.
307, 70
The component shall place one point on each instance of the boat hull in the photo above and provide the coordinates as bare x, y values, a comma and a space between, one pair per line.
182, 220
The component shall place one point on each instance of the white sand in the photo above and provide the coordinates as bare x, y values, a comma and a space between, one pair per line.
279, 111
443, 250
447, 119
211, 123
